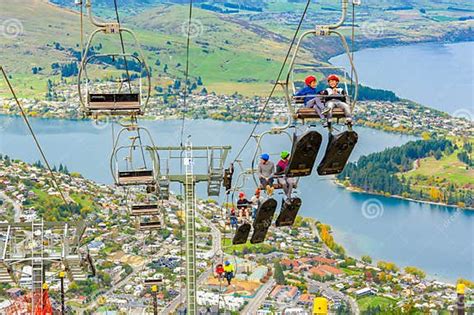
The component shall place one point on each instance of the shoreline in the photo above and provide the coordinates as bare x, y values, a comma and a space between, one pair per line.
351, 254
354, 189
446, 39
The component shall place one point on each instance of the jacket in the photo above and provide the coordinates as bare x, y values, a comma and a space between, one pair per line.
281, 167
307, 91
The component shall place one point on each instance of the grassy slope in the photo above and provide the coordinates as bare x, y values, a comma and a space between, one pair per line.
447, 168
374, 301
226, 54
243, 63
42, 24
246, 63
441, 173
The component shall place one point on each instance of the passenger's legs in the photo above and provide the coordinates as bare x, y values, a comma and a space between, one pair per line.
347, 110
317, 105
328, 111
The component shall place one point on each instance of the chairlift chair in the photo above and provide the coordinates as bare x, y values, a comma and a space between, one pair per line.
132, 175
288, 84
131, 103
151, 222
145, 209
154, 281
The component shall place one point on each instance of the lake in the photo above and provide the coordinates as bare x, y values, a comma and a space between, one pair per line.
435, 238
433, 74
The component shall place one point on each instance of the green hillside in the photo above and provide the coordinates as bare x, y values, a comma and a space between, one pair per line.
239, 52
226, 63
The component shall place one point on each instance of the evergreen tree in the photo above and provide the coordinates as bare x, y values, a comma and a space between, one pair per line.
279, 275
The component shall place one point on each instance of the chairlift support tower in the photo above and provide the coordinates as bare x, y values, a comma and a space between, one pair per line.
28, 243
215, 157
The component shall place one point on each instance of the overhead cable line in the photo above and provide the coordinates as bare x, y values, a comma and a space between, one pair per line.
123, 46
262, 112
186, 74
27, 122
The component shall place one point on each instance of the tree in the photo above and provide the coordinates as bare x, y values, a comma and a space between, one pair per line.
279, 275
367, 259
415, 271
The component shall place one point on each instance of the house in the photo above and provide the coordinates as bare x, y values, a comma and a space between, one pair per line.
331, 270
292, 293
364, 292
324, 261
315, 271
276, 291
306, 299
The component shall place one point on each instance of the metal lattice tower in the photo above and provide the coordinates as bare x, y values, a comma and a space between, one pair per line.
41, 245
190, 222
37, 261
214, 158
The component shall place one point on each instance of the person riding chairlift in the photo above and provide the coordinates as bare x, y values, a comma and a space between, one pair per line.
243, 205
228, 271
233, 219
287, 183
266, 168
335, 101
311, 99
256, 201
220, 271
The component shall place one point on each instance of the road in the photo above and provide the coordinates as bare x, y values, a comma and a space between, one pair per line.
254, 304
16, 206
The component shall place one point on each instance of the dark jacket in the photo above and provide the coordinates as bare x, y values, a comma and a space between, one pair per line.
307, 91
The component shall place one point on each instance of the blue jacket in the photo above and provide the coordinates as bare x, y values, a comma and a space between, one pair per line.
307, 90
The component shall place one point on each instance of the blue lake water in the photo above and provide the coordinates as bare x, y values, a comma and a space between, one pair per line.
433, 74
435, 238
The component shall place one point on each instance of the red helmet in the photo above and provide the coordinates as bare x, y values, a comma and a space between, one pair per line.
310, 80
241, 195
333, 77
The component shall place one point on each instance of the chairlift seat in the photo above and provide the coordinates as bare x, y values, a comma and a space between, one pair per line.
150, 225
137, 177
139, 210
115, 102
153, 281
310, 114
279, 186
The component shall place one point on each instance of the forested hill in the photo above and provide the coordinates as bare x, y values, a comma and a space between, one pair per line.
393, 172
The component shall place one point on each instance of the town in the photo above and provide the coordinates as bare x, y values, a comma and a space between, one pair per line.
402, 116
283, 275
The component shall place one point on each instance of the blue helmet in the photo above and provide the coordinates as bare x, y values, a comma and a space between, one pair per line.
227, 263
265, 157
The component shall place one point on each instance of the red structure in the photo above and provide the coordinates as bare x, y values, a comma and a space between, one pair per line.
23, 304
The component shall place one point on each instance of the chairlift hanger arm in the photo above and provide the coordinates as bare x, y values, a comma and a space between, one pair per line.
344, 5
91, 17
354, 70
